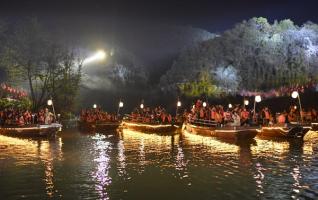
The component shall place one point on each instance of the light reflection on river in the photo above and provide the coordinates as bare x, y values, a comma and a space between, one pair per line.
134, 165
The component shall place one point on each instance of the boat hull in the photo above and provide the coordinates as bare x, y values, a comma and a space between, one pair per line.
32, 131
283, 132
228, 133
99, 127
150, 128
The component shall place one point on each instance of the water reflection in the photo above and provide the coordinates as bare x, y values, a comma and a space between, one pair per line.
121, 158
215, 145
135, 165
158, 150
281, 163
142, 155
259, 178
102, 159
27, 152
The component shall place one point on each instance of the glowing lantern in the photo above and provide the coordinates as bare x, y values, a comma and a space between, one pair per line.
94, 106
246, 102
230, 106
204, 104
178, 103
121, 104
295, 94
49, 102
258, 98
142, 106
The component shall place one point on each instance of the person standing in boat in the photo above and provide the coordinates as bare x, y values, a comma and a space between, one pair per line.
212, 114
244, 117
227, 117
281, 119
236, 119
21, 121
266, 116
48, 116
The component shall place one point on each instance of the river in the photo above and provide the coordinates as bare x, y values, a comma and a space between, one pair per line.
134, 165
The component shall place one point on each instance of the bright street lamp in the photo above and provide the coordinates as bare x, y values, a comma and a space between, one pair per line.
120, 105
50, 103
178, 105
295, 95
257, 99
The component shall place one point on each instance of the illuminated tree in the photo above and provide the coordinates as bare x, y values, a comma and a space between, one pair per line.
32, 57
203, 86
264, 56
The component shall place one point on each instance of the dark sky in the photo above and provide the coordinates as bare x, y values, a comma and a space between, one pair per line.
213, 16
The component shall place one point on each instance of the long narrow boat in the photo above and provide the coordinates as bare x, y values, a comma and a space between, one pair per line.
150, 128
281, 131
32, 131
99, 126
226, 132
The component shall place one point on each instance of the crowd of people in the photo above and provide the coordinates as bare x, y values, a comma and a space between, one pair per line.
239, 115
157, 115
97, 115
235, 116
18, 117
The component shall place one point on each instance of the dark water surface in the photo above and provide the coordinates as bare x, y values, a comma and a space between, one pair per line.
134, 165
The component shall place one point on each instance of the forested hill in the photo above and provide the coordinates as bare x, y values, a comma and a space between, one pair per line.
253, 55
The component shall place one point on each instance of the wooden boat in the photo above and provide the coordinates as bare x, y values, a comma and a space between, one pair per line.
150, 128
281, 131
226, 132
99, 126
32, 131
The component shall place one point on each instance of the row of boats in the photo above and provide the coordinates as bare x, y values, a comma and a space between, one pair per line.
199, 127
207, 128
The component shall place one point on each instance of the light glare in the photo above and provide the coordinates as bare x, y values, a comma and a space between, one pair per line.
99, 55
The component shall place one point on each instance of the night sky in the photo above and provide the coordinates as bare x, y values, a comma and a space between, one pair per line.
210, 15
